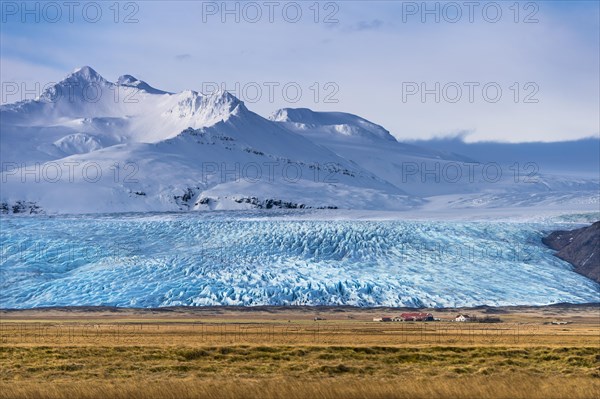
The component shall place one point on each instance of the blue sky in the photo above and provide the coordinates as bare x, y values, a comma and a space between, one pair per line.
366, 63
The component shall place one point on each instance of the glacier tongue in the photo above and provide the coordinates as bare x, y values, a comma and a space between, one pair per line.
151, 261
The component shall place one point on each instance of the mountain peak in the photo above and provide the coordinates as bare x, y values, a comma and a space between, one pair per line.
74, 85
131, 81
332, 123
222, 99
126, 79
206, 109
85, 73
222, 95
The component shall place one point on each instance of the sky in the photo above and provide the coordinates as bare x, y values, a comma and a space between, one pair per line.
503, 71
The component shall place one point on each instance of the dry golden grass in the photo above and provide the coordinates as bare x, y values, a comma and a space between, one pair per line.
180, 362
233, 354
514, 387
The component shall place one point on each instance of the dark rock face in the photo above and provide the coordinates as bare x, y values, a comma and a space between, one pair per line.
23, 207
580, 247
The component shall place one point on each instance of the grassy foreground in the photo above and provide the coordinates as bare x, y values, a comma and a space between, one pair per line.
284, 353
514, 387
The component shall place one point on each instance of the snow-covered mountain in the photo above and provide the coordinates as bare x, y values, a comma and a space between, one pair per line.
332, 124
424, 171
91, 145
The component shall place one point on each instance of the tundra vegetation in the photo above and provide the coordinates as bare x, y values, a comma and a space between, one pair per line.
286, 353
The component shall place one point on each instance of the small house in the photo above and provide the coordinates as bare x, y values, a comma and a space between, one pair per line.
463, 318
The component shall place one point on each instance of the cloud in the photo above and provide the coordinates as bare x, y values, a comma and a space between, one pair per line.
183, 57
360, 26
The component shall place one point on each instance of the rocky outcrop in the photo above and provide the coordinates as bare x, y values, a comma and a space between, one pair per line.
23, 207
579, 247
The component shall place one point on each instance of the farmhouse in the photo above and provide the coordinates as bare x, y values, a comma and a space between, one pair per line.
416, 316
464, 318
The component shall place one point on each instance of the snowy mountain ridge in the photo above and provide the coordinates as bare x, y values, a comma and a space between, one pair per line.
332, 123
89, 145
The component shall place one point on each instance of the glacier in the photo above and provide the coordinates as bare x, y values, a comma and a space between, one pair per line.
252, 259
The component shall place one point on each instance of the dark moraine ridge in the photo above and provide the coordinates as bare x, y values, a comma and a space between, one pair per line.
580, 247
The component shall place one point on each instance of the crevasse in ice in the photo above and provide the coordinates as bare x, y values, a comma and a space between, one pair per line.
152, 261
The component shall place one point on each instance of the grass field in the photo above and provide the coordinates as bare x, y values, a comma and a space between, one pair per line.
285, 353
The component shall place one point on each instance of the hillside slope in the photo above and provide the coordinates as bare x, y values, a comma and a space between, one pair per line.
91, 145
426, 172
580, 247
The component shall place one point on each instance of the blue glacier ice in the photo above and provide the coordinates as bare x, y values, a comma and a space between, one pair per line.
196, 260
